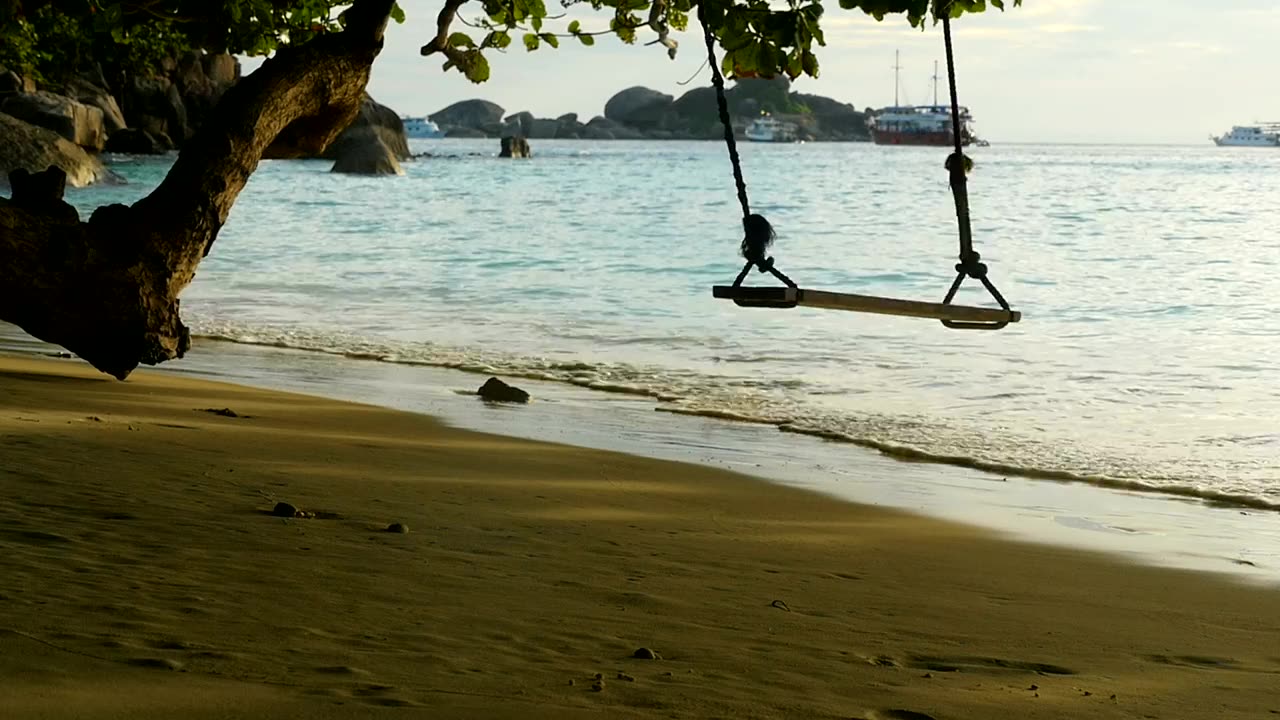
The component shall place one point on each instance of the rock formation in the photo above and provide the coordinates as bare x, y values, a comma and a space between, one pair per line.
34, 149
75, 121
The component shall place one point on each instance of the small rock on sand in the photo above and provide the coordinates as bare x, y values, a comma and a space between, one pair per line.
645, 653
224, 412
287, 510
495, 390
398, 527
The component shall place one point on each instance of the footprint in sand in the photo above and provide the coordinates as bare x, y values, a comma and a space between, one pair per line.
1196, 661
897, 714
155, 663
982, 664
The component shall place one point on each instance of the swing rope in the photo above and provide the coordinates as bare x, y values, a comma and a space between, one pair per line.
970, 264
758, 234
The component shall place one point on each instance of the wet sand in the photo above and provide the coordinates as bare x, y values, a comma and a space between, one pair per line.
144, 576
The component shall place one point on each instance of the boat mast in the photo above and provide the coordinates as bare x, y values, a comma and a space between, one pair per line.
896, 67
935, 83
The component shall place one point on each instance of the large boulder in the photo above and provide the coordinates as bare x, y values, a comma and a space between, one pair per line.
603, 128
221, 69
376, 118
75, 121
87, 92
521, 122
366, 154
468, 113
199, 91
136, 141
34, 149
154, 104
637, 105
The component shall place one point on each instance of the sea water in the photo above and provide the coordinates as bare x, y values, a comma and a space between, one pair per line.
1147, 357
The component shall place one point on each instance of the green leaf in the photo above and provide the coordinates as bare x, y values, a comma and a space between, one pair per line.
550, 39
531, 42
587, 40
461, 39
478, 68
575, 27
397, 13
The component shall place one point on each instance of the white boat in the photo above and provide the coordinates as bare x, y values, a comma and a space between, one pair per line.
767, 129
421, 127
1260, 135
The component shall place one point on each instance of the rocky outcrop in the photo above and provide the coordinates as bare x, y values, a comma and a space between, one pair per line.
468, 114
35, 149
515, 147
75, 121
542, 129
602, 128
834, 120
155, 105
371, 157
175, 100
520, 123
637, 106
93, 95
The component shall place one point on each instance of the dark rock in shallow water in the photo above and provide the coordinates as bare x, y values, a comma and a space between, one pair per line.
369, 157
497, 391
515, 147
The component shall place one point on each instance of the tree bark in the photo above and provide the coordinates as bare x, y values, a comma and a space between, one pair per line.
107, 289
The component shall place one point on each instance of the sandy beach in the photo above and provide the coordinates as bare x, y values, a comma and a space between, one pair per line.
144, 576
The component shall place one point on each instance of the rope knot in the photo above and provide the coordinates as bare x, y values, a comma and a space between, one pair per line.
758, 235
972, 266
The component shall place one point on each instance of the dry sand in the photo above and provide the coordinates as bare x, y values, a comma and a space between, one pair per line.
141, 576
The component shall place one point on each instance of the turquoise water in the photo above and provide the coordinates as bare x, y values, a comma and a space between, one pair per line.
1146, 359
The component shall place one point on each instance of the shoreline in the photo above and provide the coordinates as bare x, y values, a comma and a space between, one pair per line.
138, 542
1150, 528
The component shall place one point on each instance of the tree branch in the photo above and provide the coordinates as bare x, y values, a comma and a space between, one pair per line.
440, 43
107, 290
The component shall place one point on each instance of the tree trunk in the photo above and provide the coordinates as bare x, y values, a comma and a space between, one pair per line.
107, 289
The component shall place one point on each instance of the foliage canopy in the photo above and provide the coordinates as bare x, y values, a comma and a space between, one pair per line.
758, 37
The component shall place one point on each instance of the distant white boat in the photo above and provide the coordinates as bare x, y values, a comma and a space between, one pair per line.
421, 128
1260, 135
767, 129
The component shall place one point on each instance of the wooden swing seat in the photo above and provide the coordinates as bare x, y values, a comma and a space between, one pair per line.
787, 297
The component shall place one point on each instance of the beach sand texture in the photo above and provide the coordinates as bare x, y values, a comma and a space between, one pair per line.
142, 575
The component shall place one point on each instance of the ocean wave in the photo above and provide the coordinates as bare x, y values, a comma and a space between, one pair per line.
778, 402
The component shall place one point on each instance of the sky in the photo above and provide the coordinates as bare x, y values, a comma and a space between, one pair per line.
1123, 71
